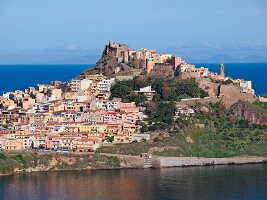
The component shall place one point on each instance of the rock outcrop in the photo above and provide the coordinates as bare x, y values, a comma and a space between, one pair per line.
228, 93
245, 111
113, 61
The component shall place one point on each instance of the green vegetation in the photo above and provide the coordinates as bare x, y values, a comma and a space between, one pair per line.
10, 162
126, 91
110, 139
168, 91
261, 107
207, 134
160, 115
174, 89
101, 161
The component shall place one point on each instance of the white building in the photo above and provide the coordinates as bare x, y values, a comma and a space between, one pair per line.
105, 85
183, 110
78, 85
184, 67
148, 92
106, 105
246, 86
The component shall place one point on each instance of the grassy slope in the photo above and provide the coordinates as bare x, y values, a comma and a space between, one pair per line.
9, 162
221, 137
261, 107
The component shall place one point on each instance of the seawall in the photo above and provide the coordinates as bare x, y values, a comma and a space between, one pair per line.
127, 161
164, 162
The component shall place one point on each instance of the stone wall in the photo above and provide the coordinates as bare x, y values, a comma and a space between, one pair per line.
228, 93
194, 161
161, 71
186, 75
193, 101
131, 161
231, 94
262, 99
209, 86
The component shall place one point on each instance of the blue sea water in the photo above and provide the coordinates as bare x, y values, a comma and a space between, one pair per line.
14, 77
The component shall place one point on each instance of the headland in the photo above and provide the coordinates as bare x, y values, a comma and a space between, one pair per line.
134, 109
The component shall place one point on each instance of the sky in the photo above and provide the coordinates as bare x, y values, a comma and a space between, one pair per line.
75, 31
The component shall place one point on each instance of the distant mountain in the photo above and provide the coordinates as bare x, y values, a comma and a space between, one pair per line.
253, 58
223, 58
48, 59
90, 58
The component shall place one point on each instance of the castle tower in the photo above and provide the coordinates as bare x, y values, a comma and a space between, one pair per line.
125, 57
149, 66
222, 70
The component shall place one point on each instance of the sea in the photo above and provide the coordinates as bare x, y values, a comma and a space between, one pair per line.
246, 182
14, 77
20, 77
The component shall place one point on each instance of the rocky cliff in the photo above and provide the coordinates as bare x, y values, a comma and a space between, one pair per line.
249, 112
113, 62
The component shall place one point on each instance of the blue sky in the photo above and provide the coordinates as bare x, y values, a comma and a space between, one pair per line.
47, 31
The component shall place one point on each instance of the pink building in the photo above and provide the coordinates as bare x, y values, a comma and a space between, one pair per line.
27, 103
128, 107
176, 61
216, 77
85, 145
39, 97
53, 142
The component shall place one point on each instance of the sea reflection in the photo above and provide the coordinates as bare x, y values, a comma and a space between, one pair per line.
233, 182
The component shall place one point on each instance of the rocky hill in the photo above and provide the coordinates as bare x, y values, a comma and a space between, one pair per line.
253, 113
111, 61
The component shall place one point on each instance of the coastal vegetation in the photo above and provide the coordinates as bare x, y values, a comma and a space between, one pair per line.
34, 161
207, 134
261, 107
168, 91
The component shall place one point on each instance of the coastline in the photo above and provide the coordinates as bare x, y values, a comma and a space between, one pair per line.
136, 162
194, 161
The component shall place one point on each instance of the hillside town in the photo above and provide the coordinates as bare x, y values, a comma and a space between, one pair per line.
80, 116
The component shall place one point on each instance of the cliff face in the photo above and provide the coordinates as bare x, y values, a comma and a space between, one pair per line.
111, 61
245, 111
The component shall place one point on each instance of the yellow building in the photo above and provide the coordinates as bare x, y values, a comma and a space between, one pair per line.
57, 107
41, 87
8, 103
57, 93
79, 106
22, 132
85, 128
14, 145
69, 95
161, 58
201, 71
99, 128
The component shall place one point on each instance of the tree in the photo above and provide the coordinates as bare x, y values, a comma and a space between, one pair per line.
144, 128
166, 90
110, 139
